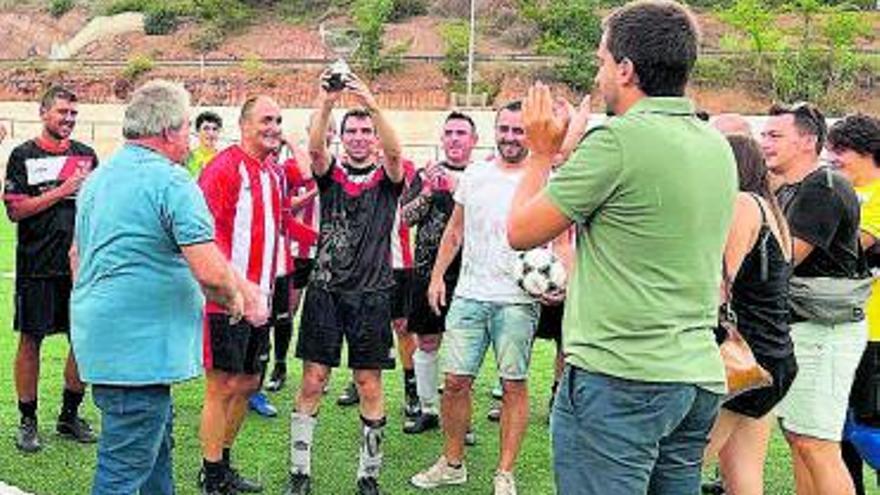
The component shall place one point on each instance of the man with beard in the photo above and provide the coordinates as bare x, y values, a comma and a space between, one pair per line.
243, 195
651, 192
428, 204
488, 308
43, 176
348, 297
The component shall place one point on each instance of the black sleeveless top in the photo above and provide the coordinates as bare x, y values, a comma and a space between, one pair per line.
760, 295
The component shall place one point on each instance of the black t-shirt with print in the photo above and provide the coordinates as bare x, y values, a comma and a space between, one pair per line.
45, 238
431, 218
823, 210
357, 216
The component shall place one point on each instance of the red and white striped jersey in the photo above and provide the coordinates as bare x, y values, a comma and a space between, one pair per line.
308, 218
401, 245
245, 199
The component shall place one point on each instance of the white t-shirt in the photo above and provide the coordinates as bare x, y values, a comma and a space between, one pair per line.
486, 193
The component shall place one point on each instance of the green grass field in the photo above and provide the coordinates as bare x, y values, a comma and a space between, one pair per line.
64, 468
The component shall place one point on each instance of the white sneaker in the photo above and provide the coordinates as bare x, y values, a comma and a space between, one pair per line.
504, 484
440, 474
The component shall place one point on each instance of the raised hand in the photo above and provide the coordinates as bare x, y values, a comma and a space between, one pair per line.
544, 121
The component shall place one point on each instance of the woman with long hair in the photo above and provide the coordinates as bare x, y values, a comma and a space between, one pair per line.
757, 258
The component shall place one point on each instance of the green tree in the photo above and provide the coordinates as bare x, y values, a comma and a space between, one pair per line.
572, 30
370, 17
456, 37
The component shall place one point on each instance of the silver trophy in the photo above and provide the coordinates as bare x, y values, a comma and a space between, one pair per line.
343, 42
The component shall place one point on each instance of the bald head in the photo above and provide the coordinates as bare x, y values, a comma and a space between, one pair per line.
732, 124
260, 123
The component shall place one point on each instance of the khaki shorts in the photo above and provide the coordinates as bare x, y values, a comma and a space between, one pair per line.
827, 357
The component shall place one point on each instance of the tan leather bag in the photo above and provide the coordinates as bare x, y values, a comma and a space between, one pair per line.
740, 366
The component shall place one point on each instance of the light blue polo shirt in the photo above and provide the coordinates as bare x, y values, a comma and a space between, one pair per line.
136, 309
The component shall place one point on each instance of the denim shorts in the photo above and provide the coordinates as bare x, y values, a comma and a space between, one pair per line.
827, 357
471, 326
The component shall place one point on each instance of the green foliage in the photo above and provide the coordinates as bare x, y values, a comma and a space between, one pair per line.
207, 39
811, 61
403, 9
227, 15
252, 66
758, 23
58, 8
370, 17
162, 18
456, 37
137, 65
571, 29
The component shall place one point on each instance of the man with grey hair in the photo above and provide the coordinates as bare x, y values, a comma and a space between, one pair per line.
143, 228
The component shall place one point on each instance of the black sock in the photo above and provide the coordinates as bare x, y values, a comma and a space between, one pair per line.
215, 473
71, 402
409, 381
28, 409
283, 332
553, 388
281, 366
226, 455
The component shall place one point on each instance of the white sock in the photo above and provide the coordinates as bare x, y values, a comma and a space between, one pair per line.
372, 434
425, 365
302, 429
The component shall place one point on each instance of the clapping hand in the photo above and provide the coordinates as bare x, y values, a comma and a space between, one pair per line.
545, 121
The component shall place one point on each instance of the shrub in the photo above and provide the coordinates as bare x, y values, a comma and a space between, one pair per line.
228, 15
58, 8
571, 29
137, 65
403, 9
456, 38
161, 19
207, 39
370, 17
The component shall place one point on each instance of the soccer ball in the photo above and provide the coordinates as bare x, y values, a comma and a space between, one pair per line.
539, 272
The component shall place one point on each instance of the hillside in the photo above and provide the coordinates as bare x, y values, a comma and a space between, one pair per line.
283, 57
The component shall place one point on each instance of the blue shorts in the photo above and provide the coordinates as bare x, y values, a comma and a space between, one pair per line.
472, 325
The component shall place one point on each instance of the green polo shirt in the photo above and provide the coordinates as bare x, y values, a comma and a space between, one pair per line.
652, 194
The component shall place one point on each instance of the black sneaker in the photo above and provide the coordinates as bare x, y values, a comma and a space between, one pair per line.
714, 487
412, 409
494, 414
277, 379
76, 429
242, 484
422, 423
28, 440
298, 484
470, 438
368, 486
349, 396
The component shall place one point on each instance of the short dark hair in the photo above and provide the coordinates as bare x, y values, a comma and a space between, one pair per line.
456, 115
660, 38
56, 93
808, 119
357, 113
510, 106
857, 132
208, 116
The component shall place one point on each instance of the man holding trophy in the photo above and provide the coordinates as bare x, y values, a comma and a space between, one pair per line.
349, 295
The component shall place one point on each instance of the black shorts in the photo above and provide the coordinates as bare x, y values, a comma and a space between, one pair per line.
235, 348
42, 305
422, 319
302, 270
550, 323
757, 403
362, 318
281, 300
401, 295
864, 399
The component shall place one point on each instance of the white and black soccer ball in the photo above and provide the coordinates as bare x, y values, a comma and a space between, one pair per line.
539, 272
